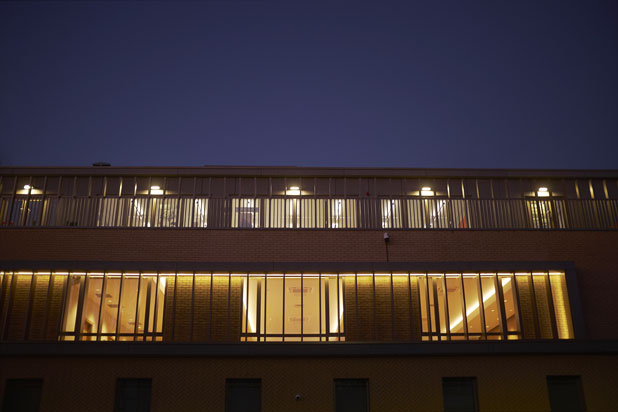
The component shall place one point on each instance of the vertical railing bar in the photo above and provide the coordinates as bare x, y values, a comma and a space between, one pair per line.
48, 298
258, 306
12, 206
229, 303
147, 325
464, 317
136, 311
356, 303
101, 306
24, 215
265, 306
29, 306
80, 305
375, 317
550, 302
320, 302
447, 317
283, 312
174, 306
247, 303
42, 206
212, 288
119, 306
327, 308
429, 323
410, 312
481, 307
393, 333
338, 310
436, 306
501, 307
517, 306
302, 307
156, 310
192, 308
63, 307
537, 320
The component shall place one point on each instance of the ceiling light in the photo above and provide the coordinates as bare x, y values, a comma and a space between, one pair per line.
426, 191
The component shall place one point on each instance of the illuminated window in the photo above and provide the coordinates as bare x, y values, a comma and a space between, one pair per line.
290, 307
391, 213
114, 307
245, 213
293, 308
452, 308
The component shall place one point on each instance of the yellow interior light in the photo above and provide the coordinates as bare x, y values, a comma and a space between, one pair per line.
426, 191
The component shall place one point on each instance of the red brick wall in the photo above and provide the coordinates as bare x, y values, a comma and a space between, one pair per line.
594, 252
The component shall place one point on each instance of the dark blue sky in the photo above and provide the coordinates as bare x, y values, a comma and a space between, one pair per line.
530, 84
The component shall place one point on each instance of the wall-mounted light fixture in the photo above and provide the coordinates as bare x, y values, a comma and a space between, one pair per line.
293, 191
27, 187
156, 190
426, 191
542, 192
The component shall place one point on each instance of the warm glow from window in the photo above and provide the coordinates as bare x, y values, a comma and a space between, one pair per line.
426, 191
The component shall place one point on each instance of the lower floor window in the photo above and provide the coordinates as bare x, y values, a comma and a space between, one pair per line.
351, 395
22, 395
289, 307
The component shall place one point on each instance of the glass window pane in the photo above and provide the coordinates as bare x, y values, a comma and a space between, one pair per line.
133, 395
473, 304
274, 309
22, 395
510, 304
109, 313
128, 305
351, 395
72, 300
455, 305
544, 315
561, 305
293, 317
92, 303
565, 394
243, 395
492, 311
459, 394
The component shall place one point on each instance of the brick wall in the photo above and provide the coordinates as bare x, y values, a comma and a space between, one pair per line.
413, 383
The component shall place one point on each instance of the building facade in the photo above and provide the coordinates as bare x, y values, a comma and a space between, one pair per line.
279, 289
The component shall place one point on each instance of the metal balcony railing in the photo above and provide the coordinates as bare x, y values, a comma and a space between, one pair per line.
287, 212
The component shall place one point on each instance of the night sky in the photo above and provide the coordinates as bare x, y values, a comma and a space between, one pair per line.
497, 84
